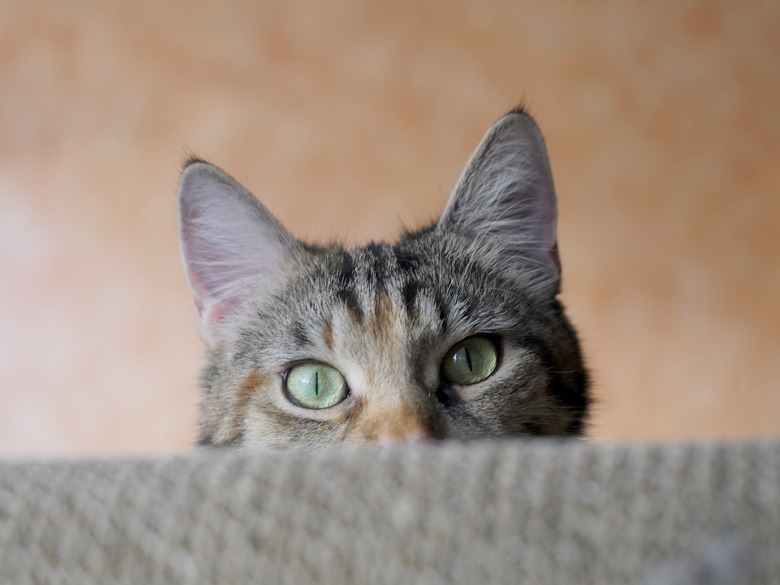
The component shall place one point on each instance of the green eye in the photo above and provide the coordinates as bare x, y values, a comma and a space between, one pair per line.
315, 385
470, 361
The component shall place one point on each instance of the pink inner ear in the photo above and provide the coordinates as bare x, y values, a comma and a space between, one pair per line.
210, 318
231, 244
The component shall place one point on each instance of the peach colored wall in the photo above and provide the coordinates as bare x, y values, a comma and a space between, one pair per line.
350, 118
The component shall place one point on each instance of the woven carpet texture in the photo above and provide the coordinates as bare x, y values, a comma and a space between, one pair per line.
538, 512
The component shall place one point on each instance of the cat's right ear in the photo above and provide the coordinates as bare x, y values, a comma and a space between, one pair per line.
230, 243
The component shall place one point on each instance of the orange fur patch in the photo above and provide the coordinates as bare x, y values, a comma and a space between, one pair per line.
248, 387
401, 424
327, 333
385, 314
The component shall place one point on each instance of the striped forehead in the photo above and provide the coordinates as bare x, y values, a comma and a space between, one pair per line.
350, 302
381, 279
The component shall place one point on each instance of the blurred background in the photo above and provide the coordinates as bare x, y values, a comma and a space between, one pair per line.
349, 119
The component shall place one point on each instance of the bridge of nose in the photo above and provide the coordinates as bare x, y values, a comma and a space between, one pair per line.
393, 405
398, 420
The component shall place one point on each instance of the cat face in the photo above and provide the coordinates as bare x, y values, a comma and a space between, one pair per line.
452, 332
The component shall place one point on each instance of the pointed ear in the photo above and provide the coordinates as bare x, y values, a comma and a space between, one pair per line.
230, 242
505, 199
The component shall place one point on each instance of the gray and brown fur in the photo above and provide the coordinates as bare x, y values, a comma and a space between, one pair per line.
385, 314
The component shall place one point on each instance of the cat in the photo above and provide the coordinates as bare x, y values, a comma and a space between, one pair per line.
453, 332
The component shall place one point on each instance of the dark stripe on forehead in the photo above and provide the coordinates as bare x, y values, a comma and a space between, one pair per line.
346, 286
377, 265
409, 293
350, 299
377, 253
406, 260
443, 309
347, 272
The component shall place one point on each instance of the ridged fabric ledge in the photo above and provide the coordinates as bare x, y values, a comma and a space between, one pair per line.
538, 512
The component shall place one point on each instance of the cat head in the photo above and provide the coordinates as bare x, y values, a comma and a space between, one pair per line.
454, 331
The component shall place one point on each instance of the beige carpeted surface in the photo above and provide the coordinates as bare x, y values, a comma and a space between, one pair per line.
537, 512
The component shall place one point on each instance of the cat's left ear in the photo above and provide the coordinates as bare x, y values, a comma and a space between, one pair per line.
505, 200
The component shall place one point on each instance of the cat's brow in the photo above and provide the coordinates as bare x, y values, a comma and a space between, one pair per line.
409, 293
346, 287
405, 259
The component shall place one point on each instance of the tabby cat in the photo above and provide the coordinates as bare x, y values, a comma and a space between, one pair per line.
455, 331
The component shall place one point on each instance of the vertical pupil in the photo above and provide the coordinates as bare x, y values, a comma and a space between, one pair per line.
468, 358
316, 383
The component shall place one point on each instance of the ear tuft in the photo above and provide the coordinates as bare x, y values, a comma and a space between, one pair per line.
506, 200
230, 243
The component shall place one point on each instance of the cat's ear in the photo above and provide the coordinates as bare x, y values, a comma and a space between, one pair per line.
230, 243
505, 199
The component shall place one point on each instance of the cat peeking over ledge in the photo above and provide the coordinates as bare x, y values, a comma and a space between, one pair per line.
453, 332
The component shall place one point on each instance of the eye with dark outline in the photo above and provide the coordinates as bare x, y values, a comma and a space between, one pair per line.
315, 385
470, 361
